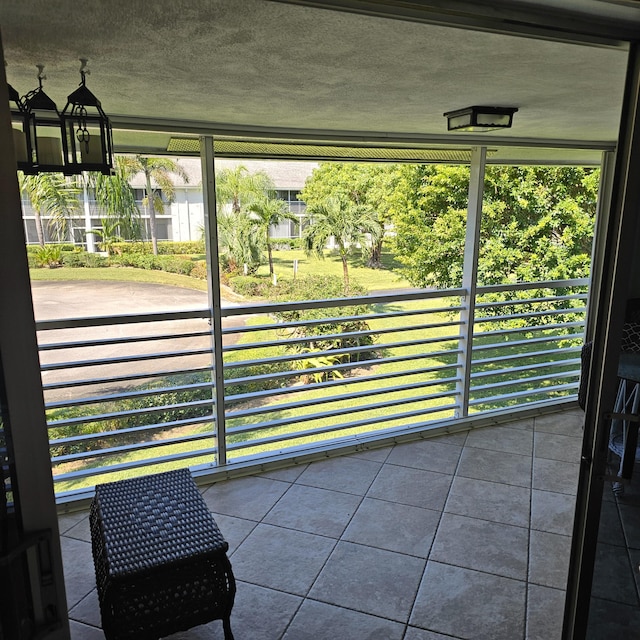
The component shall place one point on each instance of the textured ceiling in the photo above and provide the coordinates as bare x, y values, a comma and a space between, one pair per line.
225, 65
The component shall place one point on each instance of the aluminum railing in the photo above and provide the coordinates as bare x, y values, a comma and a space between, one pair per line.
135, 394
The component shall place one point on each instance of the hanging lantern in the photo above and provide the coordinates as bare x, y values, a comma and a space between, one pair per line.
87, 138
44, 137
20, 128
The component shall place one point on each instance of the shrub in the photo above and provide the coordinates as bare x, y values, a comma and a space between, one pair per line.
251, 286
49, 256
84, 259
199, 270
195, 247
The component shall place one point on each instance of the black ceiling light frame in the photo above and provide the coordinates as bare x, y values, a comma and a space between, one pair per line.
480, 119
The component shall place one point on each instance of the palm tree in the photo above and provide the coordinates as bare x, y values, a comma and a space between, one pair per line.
349, 224
270, 211
116, 197
240, 188
158, 171
238, 241
53, 195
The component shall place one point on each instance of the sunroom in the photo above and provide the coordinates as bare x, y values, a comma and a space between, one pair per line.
474, 373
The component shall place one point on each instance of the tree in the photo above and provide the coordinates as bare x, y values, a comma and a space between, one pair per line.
270, 211
366, 185
240, 189
116, 197
537, 223
157, 171
347, 223
238, 241
53, 195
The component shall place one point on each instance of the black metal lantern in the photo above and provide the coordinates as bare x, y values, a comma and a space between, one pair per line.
44, 138
480, 118
87, 138
20, 128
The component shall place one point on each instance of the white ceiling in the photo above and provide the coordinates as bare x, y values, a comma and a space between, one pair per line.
252, 67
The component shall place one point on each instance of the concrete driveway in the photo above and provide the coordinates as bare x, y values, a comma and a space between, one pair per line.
82, 299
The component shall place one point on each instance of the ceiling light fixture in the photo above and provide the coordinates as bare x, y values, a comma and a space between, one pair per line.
87, 138
76, 140
480, 118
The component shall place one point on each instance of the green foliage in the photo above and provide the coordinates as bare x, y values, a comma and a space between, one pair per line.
316, 362
251, 286
240, 242
172, 264
48, 256
323, 288
84, 259
537, 223
193, 247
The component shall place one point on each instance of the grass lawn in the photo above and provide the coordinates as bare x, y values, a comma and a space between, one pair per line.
121, 274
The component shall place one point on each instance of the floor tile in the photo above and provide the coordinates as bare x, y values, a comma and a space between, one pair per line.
314, 510
281, 558
413, 633
68, 520
249, 498
504, 503
552, 512
79, 576
557, 447
610, 527
567, 423
495, 548
416, 487
630, 518
258, 614
395, 527
81, 631
503, 439
555, 475
495, 466
348, 474
375, 454
374, 581
545, 611
549, 559
80, 531
430, 455
234, 530
469, 604
286, 474
613, 576
612, 621
87, 610
321, 621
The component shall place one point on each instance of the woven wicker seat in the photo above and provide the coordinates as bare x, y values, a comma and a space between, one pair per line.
160, 559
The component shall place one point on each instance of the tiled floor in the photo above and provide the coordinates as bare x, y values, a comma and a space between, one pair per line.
461, 536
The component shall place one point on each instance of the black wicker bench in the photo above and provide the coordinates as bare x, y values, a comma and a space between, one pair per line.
160, 559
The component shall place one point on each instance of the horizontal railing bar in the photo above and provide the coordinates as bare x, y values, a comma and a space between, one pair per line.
520, 343
346, 425
241, 397
52, 346
348, 365
512, 370
114, 415
124, 359
523, 394
526, 316
518, 381
355, 395
125, 378
337, 412
521, 356
101, 321
274, 307
128, 448
158, 426
366, 317
344, 350
523, 286
528, 329
516, 302
135, 464
127, 395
